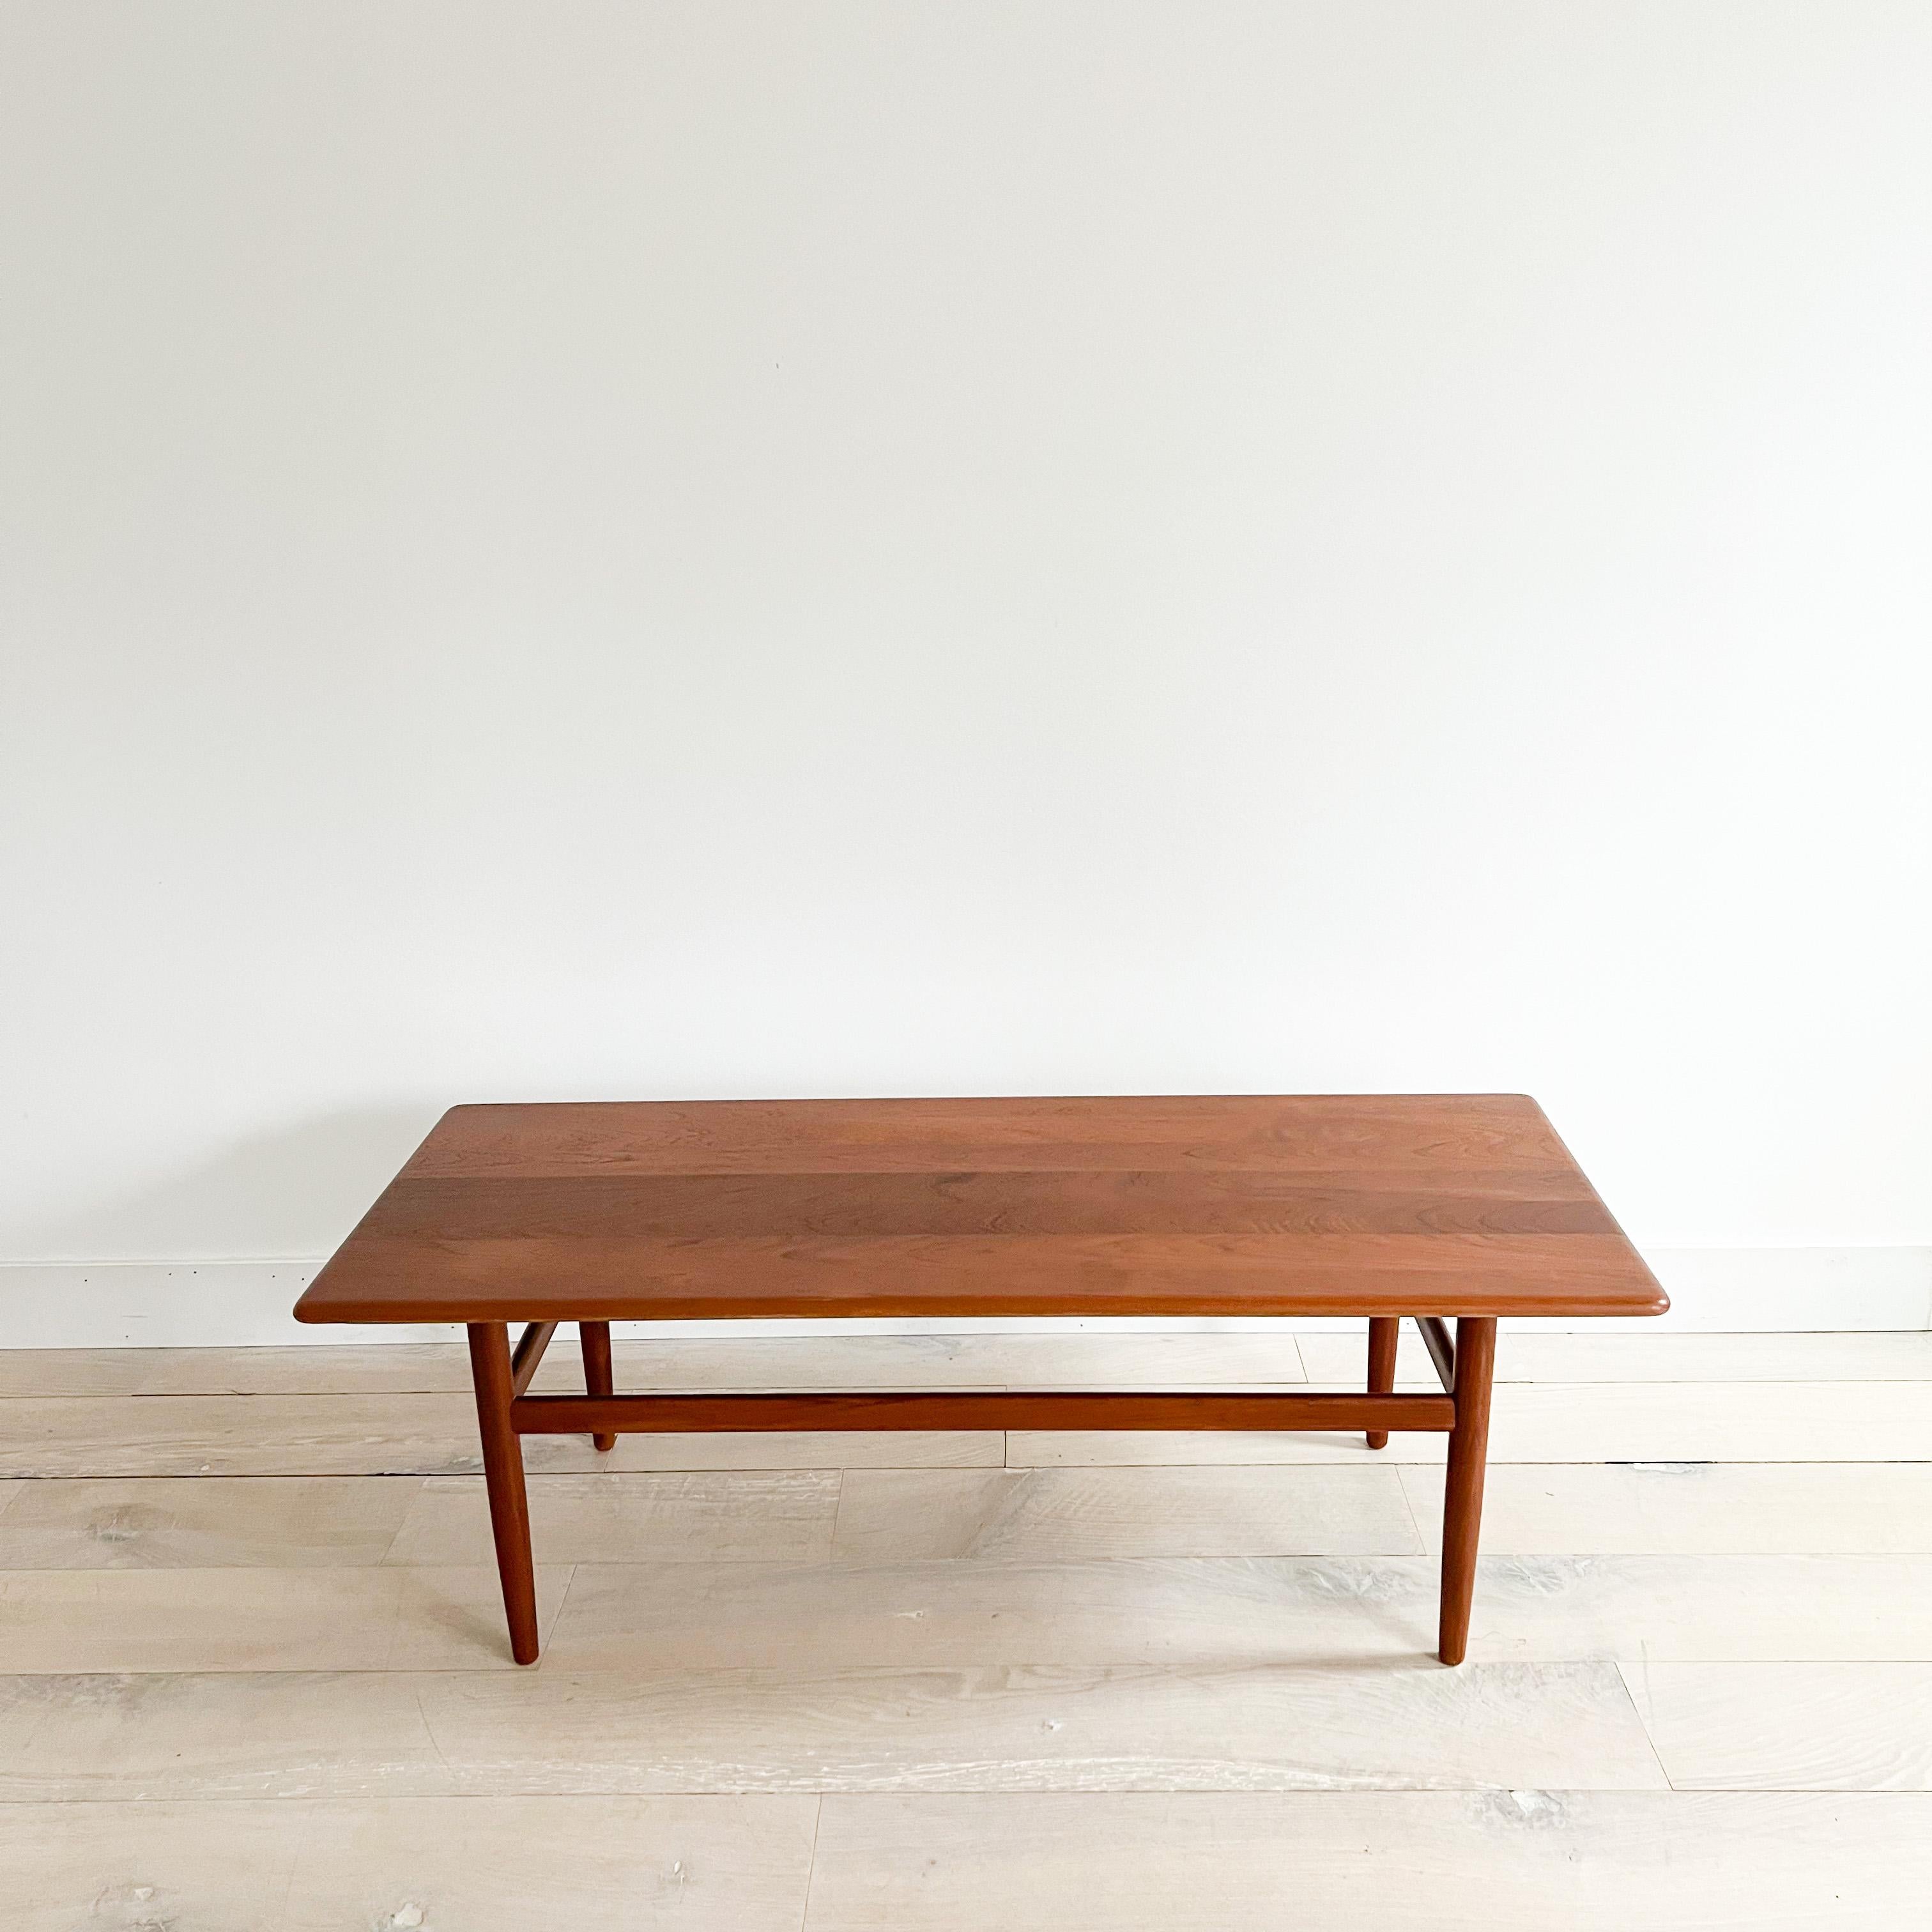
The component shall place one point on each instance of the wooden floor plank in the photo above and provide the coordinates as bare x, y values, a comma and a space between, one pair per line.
152, 1868
1055, 1728
69, 1737
1249, 1611
45, 1372
1093, 1358
1666, 1355
1581, 1422
1532, 1509
396, 1435
1527, 1861
891, 1515
1312, 1727
240, 1435
79, 1621
765, 1516
469, 1864
1827, 1726
899, 1515
201, 1522
375, 1368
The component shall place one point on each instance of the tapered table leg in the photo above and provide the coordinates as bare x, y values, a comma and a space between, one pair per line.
1468, 1458
595, 1338
1383, 1330
503, 1473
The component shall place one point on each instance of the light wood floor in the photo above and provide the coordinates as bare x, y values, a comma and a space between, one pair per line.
256, 1678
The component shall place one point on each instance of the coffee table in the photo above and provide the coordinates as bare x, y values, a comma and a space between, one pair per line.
1437, 1206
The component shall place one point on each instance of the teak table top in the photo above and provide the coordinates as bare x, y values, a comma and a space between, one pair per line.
1239, 1205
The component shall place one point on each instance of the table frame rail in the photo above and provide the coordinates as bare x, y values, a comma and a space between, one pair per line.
504, 1414
961, 1409
1442, 1349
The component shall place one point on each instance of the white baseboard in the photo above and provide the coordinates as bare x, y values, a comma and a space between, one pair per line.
214, 1304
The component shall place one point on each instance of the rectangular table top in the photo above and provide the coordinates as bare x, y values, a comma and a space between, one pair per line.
1236, 1205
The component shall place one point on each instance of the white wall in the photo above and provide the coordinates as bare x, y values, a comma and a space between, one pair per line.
617, 550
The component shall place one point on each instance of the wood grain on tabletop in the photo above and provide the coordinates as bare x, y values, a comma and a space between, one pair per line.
1243, 1205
